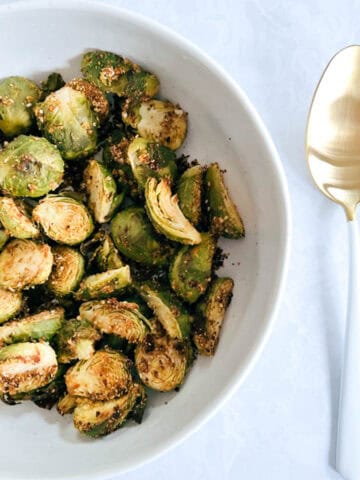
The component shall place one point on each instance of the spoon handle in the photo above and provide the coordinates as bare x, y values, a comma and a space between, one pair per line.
348, 441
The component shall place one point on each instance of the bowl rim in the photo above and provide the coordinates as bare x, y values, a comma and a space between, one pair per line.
278, 170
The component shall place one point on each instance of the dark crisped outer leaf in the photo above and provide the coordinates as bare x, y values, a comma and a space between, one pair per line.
189, 192
107, 257
211, 313
105, 284
190, 270
54, 82
224, 217
136, 238
76, 340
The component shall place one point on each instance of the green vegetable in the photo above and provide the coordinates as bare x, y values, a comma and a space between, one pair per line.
105, 284
3, 238
67, 272
76, 340
211, 312
164, 212
15, 220
135, 238
17, 97
64, 219
66, 119
107, 256
223, 215
189, 192
67, 404
54, 82
98, 101
10, 304
30, 167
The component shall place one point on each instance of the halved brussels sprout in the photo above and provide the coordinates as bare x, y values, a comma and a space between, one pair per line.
10, 304
104, 376
66, 119
67, 271
25, 367
41, 326
190, 270
30, 167
96, 97
14, 218
123, 319
24, 263
223, 215
3, 238
107, 256
211, 311
53, 82
165, 214
136, 238
170, 312
76, 340
67, 404
101, 189
97, 419
158, 121
17, 97
189, 192
148, 159
63, 219
105, 284
115, 74
161, 362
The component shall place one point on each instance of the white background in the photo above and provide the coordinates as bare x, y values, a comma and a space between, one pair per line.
281, 423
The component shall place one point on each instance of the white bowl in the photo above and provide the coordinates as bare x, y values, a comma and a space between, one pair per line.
39, 37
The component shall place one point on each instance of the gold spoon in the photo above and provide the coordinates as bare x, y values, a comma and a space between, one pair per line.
333, 155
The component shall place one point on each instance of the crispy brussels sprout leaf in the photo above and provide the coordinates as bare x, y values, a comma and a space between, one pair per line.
3, 238
66, 119
135, 238
158, 121
190, 270
30, 167
170, 312
105, 284
110, 316
24, 263
97, 419
223, 215
67, 272
10, 304
67, 404
211, 311
41, 326
164, 212
189, 192
104, 376
17, 97
15, 220
107, 256
64, 219
96, 97
161, 362
54, 82
101, 189
25, 367
76, 340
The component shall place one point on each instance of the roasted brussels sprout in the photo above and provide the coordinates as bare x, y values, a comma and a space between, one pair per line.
17, 97
104, 376
41, 326
3, 238
170, 312
64, 219
115, 74
25, 367
189, 192
211, 311
161, 362
107, 256
53, 82
30, 167
105, 284
67, 272
165, 214
67, 404
15, 220
24, 263
76, 340
148, 159
66, 119
10, 304
136, 238
96, 97
123, 319
223, 215
101, 189
97, 419
190, 270
158, 121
